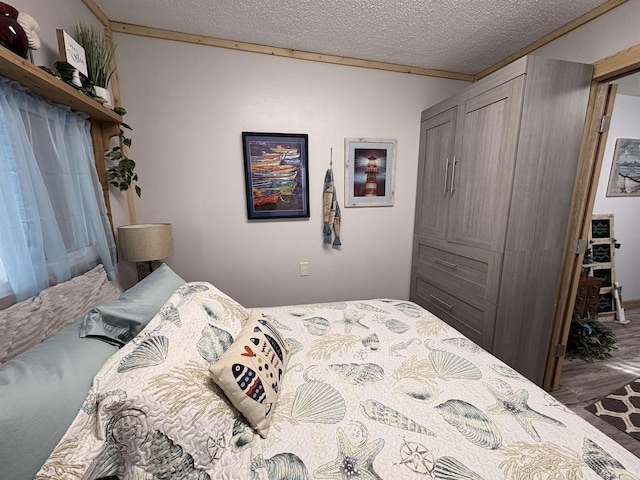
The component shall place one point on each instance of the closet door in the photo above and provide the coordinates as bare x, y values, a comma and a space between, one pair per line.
485, 163
434, 173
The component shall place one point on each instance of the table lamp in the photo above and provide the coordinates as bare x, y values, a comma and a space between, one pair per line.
146, 244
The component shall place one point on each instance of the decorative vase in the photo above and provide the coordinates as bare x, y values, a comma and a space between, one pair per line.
8, 11
104, 93
12, 35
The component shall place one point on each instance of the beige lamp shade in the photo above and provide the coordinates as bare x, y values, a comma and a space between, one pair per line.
145, 242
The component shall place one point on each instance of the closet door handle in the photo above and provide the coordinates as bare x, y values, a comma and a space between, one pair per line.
441, 302
450, 265
446, 176
453, 176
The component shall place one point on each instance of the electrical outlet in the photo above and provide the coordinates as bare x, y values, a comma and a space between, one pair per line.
303, 269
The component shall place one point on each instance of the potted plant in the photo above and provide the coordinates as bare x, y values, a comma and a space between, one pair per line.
590, 339
99, 52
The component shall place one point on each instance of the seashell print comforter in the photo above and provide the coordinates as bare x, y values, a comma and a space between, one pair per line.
377, 389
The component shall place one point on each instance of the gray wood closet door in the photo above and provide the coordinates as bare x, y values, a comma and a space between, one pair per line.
491, 221
434, 175
484, 167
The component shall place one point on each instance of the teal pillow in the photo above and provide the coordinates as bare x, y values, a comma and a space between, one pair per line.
41, 391
118, 321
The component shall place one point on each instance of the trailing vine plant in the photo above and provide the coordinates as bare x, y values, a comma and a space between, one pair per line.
122, 174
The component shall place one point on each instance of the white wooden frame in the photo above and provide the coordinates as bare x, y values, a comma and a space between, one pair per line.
377, 155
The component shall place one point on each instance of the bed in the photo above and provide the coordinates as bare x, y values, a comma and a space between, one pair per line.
186, 383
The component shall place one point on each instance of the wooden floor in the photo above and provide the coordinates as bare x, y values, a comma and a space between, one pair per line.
582, 383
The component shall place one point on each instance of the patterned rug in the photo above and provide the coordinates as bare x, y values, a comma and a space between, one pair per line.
621, 408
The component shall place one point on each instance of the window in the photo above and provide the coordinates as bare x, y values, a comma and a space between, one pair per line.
53, 222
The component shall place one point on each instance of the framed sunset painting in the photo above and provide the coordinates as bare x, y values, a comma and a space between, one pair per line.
276, 169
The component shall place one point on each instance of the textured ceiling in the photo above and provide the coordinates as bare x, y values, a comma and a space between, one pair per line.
462, 36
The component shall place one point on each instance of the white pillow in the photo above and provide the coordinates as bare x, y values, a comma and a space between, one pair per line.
250, 371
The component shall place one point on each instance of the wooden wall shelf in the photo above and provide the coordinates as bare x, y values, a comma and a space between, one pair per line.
46, 85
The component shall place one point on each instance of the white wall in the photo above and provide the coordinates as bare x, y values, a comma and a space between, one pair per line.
625, 123
50, 15
613, 32
188, 105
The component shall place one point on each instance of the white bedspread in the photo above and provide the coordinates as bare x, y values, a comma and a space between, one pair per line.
373, 389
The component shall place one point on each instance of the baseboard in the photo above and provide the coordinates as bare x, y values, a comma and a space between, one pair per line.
631, 304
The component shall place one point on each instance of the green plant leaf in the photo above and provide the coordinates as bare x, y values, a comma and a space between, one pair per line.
99, 53
590, 340
121, 173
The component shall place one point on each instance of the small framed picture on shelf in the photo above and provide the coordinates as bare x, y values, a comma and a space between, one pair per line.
71, 51
370, 166
276, 174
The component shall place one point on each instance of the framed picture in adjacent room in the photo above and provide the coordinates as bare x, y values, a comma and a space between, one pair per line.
624, 179
370, 167
276, 169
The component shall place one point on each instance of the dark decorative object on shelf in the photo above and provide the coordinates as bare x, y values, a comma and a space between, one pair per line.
12, 35
8, 11
64, 71
590, 340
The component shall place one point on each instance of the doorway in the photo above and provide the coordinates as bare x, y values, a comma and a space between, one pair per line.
618, 195
588, 174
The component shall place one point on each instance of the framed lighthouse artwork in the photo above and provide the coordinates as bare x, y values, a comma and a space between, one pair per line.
370, 170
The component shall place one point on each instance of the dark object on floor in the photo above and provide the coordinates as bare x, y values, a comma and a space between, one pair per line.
590, 340
621, 408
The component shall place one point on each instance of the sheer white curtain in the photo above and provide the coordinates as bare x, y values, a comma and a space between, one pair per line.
53, 222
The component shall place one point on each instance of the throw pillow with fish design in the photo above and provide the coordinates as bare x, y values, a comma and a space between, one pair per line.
250, 371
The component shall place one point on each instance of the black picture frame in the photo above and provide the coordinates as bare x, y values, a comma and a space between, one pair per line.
276, 169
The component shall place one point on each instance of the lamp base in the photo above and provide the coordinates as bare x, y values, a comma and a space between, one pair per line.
145, 268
